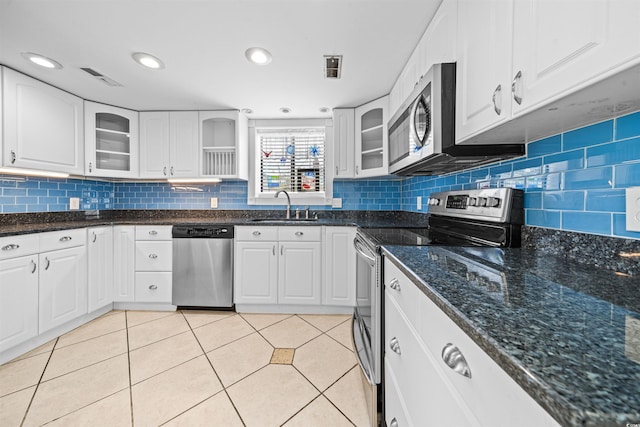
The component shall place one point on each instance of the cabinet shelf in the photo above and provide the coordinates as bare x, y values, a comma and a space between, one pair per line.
115, 153
372, 151
372, 129
116, 132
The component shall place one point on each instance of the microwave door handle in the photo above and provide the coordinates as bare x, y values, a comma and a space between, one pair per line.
358, 246
412, 122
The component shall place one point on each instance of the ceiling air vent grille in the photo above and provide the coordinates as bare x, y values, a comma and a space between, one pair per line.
332, 66
104, 79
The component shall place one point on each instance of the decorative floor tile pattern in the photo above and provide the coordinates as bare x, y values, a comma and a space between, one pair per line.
189, 368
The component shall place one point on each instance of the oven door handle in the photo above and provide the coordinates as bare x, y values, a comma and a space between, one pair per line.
360, 250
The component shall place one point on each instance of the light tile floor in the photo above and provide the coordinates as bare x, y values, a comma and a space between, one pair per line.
189, 368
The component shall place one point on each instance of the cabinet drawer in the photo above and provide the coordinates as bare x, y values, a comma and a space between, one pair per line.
154, 256
55, 240
153, 232
264, 233
15, 246
395, 408
490, 389
299, 234
402, 290
153, 286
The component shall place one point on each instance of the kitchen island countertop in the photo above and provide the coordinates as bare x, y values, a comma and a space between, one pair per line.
567, 333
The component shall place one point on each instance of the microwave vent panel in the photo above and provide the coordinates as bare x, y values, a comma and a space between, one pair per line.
104, 79
332, 66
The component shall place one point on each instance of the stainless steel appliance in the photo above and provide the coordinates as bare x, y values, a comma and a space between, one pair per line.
490, 217
203, 266
422, 132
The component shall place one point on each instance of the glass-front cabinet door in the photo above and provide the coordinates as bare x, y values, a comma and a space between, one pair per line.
371, 153
111, 137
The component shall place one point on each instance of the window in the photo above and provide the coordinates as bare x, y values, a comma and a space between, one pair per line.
290, 155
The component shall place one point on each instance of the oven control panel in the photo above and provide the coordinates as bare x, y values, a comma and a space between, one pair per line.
488, 204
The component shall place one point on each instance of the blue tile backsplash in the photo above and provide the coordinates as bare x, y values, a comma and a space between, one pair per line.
572, 181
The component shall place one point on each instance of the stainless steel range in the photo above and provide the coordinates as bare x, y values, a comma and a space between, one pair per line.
489, 218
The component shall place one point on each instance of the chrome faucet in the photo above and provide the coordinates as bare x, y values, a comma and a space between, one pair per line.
288, 202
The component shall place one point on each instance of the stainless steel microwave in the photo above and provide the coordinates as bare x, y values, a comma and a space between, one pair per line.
422, 138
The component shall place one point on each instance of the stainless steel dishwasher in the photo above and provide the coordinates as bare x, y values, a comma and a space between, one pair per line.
203, 266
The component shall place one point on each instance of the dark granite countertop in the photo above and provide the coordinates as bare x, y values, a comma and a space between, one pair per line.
16, 224
567, 333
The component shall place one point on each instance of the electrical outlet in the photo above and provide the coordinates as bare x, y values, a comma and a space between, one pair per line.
336, 203
633, 208
419, 203
214, 203
74, 203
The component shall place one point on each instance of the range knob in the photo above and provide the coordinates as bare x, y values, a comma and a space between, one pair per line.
471, 201
482, 201
493, 202
434, 202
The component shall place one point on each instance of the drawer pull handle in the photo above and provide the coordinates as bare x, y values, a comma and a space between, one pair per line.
153, 233
395, 284
299, 233
393, 423
65, 239
48, 263
455, 360
153, 256
394, 345
35, 266
153, 287
10, 247
256, 233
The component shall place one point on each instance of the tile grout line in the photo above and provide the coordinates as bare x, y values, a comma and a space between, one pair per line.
126, 324
204, 353
24, 418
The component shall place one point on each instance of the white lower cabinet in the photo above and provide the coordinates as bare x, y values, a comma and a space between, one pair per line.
63, 286
422, 389
153, 264
340, 266
100, 267
124, 267
18, 300
280, 265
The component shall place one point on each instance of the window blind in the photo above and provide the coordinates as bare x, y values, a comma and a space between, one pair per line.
292, 160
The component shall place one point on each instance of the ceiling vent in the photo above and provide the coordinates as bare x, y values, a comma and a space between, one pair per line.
104, 79
332, 66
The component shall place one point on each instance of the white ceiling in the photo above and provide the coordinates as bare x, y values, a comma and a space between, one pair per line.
202, 44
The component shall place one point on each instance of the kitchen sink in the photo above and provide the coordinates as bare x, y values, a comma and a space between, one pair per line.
284, 221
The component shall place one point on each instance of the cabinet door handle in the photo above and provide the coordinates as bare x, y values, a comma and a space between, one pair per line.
95, 237
10, 247
153, 256
394, 345
516, 88
274, 250
13, 157
299, 233
497, 100
256, 233
65, 239
357, 170
35, 266
153, 287
395, 284
90, 167
153, 233
455, 360
171, 171
393, 423
164, 171
282, 250
48, 263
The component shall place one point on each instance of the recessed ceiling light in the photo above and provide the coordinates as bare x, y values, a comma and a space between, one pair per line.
147, 60
42, 61
324, 109
247, 110
258, 55
285, 110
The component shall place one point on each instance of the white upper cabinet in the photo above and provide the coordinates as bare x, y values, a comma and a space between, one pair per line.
42, 126
343, 142
371, 153
224, 144
169, 144
561, 46
483, 85
111, 135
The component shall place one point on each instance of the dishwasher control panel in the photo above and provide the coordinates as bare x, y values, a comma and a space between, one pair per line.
202, 232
